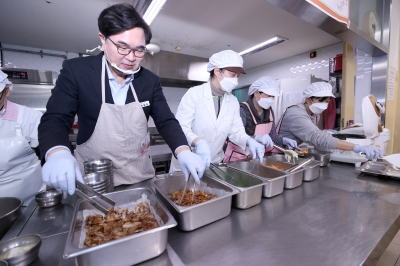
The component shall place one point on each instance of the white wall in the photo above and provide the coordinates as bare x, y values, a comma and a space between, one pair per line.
362, 82
173, 96
295, 66
32, 61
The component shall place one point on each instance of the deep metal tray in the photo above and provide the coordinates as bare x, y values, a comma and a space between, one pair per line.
379, 168
128, 250
293, 179
250, 188
311, 170
193, 217
274, 180
323, 156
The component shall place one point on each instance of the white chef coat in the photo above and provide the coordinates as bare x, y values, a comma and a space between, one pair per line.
20, 170
30, 121
196, 115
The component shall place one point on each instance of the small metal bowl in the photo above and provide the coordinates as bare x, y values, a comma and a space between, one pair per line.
48, 198
10, 210
26, 256
3, 263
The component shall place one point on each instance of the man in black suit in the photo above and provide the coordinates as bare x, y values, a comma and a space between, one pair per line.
113, 97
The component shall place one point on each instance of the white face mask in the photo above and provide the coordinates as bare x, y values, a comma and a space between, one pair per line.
318, 108
123, 71
266, 103
228, 84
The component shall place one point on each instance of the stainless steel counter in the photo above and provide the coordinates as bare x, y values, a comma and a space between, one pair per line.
339, 219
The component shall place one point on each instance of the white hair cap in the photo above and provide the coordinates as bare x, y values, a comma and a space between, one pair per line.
226, 59
267, 85
4, 81
318, 89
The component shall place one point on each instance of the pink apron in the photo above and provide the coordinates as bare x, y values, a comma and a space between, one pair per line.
234, 153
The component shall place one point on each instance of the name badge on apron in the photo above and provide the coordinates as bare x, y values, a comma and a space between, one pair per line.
145, 143
144, 104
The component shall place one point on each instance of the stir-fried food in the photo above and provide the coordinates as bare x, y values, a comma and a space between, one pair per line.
118, 223
199, 197
305, 151
274, 166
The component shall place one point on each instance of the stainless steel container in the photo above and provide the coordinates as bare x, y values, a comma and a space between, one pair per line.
323, 156
293, 179
3, 263
32, 245
250, 188
274, 180
10, 210
311, 171
102, 182
48, 198
193, 217
128, 250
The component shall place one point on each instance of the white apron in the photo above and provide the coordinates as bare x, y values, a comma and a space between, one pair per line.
121, 135
20, 169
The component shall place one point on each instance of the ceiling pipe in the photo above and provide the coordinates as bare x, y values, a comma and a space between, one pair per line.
33, 52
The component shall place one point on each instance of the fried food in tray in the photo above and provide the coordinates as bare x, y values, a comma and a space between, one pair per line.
273, 166
199, 197
118, 223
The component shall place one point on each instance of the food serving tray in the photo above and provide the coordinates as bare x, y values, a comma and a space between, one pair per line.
380, 168
198, 215
293, 179
311, 170
274, 180
250, 188
323, 156
128, 250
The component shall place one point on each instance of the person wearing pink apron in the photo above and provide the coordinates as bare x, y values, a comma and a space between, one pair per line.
258, 119
113, 97
299, 123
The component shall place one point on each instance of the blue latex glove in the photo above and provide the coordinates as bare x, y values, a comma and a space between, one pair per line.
203, 150
264, 139
60, 171
193, 163
256, 149
289, 142
370, 151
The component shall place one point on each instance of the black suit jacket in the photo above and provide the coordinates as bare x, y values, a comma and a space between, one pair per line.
78, 91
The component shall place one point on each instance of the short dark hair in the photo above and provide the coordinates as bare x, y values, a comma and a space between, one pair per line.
212, 74
121, 17
320, 99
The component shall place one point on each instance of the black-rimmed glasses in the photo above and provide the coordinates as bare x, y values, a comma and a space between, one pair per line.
122, 50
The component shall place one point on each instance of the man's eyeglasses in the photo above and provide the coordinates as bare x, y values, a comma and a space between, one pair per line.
123, 50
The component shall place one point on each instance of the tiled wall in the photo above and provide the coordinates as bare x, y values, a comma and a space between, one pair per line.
295, 66
32, 61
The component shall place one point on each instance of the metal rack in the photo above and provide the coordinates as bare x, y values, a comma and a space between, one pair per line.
337, 76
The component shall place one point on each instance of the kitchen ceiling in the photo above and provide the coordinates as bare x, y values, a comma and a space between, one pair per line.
200, 28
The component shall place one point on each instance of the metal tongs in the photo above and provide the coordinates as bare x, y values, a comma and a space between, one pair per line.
287, 152
184, 191
297, 167
216, 167
98, 205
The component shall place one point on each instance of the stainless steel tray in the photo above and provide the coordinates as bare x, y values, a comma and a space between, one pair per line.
379, 168
274, 180
293, 179
311, 170
128, 250
250, 188
193, 217
323, 156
